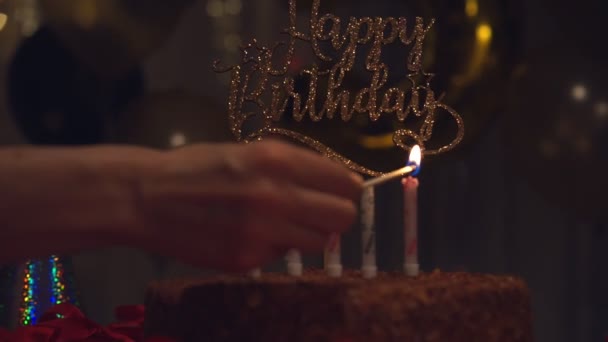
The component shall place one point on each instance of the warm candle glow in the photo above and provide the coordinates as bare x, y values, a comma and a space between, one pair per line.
412, 167
415, 156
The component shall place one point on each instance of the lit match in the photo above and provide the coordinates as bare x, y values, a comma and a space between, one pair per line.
411, 167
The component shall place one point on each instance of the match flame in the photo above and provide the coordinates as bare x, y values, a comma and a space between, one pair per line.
415, 156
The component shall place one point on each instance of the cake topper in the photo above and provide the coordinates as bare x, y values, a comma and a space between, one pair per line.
261, 87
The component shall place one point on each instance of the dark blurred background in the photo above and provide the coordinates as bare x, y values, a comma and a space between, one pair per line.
523, 194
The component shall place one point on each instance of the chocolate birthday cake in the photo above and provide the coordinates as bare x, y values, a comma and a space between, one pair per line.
431, 307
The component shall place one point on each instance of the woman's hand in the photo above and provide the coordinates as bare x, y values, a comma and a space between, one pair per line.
235, 207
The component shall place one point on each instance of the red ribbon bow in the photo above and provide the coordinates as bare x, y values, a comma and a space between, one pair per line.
65, 323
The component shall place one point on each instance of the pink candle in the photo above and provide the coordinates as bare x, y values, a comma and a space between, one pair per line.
410, 225
333, 260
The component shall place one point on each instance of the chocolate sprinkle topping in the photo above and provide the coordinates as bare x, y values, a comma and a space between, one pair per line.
431, 307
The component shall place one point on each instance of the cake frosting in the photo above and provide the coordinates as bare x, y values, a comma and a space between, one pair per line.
434, 306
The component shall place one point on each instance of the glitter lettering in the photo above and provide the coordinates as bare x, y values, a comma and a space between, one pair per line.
261, 85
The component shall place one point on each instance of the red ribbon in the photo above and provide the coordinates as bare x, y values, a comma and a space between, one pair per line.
66, 323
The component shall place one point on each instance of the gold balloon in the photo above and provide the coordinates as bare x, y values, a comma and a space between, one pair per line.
111, 36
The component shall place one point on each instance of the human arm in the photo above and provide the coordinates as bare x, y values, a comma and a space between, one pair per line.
62, 200
221, 206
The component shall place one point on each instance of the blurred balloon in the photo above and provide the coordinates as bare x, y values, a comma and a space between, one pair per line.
558, 127
172, 119
113, 36
57, 100
472, 50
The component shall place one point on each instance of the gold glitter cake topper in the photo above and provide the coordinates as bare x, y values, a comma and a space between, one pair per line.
261, 87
